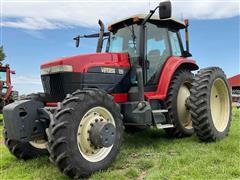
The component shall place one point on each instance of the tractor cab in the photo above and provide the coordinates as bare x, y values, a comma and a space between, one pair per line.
161, 40
149, 40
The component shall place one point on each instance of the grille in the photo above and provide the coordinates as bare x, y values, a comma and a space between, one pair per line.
53, 85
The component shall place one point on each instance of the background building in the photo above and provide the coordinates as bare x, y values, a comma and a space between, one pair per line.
234, 83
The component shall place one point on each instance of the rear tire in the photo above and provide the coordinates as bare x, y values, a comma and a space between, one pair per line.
210, 104
69, 148
178, 114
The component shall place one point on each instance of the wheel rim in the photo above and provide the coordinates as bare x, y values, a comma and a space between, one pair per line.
220, 104
39, 144
88, 151
182, 110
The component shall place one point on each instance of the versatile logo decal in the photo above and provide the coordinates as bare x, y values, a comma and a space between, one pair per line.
108, 70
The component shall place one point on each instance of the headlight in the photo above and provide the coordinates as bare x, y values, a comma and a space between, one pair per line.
56, 69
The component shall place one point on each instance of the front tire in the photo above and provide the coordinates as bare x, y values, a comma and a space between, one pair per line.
25, 150
69, 143
210, 104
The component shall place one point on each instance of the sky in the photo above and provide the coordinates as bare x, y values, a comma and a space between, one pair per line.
33, 32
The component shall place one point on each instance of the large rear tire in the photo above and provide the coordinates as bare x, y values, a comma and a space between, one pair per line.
210, 104
176, 102
70, 144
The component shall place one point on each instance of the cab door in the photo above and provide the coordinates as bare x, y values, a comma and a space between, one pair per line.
157, 52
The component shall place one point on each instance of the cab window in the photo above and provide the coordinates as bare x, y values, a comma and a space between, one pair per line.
3, 79
157, 51
3, 76
116, 44
175, 44
125, 39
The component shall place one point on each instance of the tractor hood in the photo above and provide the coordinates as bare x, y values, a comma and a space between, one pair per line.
81, 63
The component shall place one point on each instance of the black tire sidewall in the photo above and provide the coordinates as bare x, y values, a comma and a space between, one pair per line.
182, 76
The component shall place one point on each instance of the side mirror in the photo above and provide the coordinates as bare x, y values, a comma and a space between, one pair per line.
77, 41
165, 10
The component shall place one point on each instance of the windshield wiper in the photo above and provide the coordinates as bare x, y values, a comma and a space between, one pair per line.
132, 34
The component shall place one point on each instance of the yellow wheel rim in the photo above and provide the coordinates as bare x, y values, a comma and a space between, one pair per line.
88, 151
220, 104
39, 144
183, 113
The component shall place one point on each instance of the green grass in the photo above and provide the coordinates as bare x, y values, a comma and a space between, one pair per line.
149, 155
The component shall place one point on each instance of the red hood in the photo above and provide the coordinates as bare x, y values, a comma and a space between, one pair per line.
82, 62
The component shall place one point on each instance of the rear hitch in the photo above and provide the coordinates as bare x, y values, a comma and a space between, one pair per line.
25, 120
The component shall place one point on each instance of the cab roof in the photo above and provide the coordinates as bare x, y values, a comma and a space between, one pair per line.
168, 22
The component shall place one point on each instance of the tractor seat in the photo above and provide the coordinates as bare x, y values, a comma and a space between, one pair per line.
131, 52
154, 55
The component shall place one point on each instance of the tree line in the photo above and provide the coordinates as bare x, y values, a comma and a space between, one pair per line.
2, 54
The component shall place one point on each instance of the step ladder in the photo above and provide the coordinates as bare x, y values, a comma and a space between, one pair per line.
159, 111
160, 120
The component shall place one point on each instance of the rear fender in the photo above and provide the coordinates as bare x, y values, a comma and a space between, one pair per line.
169, 68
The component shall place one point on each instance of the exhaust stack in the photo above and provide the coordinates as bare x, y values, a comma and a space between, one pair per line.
100, 39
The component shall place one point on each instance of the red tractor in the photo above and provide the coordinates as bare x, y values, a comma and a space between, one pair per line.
143, 80
7, 95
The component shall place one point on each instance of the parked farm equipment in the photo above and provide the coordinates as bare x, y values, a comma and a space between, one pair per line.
7, 95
